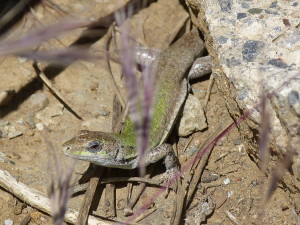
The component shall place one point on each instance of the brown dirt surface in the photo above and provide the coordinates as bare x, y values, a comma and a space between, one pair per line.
232, 180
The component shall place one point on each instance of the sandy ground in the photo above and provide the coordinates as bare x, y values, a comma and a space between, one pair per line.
231, 178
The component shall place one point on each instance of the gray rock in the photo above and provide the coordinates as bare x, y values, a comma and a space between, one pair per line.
38, 102
8, 222
193, 118
102, 111
4, 123
2, 156
266, 53
265, 56
225, 5
278, 63
29, 119
95, 123
255, 11
39, 126
274, 4
223, 39
46, 116
251, 49
293, 97
203, 209
241, 16
14, 134
271, 12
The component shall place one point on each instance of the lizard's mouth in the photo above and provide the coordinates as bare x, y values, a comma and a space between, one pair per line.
130, 163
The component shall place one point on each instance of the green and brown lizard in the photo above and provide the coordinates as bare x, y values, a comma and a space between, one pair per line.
170, 91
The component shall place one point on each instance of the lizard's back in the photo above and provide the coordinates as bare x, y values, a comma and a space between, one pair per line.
170, 86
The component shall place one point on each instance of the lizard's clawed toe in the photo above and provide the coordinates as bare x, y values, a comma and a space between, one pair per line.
170, 178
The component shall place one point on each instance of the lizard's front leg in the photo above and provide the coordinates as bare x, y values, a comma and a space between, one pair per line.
164, 151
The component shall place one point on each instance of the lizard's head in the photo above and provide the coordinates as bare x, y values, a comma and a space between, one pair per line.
101, 148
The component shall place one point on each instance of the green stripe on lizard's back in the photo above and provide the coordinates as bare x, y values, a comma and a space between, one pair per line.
171, 85
170, 91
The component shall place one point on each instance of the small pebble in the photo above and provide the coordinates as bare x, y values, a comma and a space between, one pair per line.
46, 116
11, 162
226, 181
25, 211
14, 134
9, 128
212, 177
193, 117
103, 111
22, 59
29, 119
284, 206
8, 222
94, 86
56, 110
254, 183
2, 156
222, 140
127, 211
293, 97
38, 102
191, 151
219, 142
237, 141
229, 193
251, 49
255, 11
3, 123
39, 126
20, 121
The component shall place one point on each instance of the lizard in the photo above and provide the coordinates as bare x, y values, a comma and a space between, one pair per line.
170, 91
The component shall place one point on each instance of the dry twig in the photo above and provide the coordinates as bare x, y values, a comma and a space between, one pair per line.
56, 92
110, 197
37, 200
85, 207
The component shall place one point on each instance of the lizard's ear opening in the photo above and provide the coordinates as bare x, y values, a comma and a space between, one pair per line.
67, 148
94, 146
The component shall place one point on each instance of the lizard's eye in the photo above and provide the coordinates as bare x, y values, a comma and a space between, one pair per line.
94, 146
